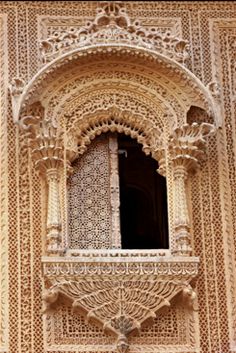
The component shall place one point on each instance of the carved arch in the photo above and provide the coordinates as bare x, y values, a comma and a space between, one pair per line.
115, 120
146, 97
191, 90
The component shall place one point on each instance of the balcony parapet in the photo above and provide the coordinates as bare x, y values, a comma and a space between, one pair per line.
118, 289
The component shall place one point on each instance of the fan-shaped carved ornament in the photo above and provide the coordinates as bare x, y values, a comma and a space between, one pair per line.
120, 295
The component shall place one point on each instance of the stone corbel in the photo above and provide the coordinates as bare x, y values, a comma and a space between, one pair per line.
187, 146
46, 146
159, 154
117, 292
16, 89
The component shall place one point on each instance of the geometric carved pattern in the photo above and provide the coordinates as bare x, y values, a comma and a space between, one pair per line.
89, 199
170, 327
3, 191
71, 328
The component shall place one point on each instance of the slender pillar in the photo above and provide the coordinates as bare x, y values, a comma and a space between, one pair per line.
46, 145
187, 146
181, 214
53, 212
115, 194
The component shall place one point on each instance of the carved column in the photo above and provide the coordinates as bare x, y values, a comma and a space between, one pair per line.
181, 215
53, 212
187, 146
115, 193
47, 153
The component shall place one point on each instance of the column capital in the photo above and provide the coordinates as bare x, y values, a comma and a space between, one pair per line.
52, 174
45, 141
187, 145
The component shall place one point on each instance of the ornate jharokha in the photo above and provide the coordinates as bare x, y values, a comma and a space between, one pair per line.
113, 75
117, 299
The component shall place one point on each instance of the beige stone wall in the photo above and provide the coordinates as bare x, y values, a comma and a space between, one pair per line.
210, 28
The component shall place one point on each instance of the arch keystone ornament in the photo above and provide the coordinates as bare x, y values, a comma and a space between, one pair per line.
121, 290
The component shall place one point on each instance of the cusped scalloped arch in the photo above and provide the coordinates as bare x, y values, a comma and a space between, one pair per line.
114, 120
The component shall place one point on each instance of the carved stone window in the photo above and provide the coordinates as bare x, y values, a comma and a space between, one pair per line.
94, 196
143, 198
113, 75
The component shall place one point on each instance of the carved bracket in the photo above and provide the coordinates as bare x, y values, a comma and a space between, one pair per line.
16, 89
120, 294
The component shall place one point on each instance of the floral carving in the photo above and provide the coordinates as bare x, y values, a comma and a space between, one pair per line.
124, 325
112, 25
45, 142
188, 144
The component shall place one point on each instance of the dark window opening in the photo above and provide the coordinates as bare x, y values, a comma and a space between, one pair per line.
143, 198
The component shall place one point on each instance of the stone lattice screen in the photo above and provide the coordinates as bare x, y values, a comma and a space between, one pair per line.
89, 199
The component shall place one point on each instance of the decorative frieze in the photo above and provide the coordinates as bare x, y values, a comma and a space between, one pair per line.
119, 263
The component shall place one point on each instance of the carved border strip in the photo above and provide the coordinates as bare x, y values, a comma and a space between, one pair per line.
224, 29
3, 188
